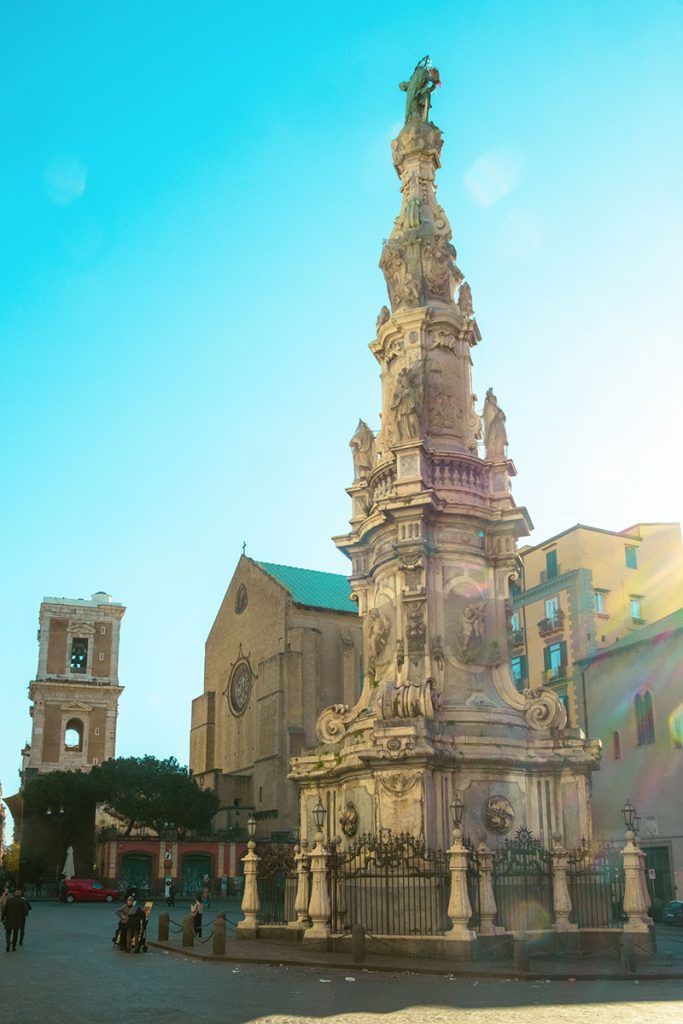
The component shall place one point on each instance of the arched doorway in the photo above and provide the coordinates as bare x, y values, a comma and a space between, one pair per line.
136, 872
196, 866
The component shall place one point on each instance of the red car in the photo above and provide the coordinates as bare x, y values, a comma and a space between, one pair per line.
85, 890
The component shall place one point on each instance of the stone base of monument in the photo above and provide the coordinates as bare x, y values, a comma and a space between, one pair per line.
280, 933
430, 947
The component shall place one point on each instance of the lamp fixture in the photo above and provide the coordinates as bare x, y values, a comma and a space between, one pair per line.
251, 826
456, 807
319, 813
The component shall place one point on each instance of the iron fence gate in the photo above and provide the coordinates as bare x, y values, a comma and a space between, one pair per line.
522, 884
596, 887
391, 884
276, 882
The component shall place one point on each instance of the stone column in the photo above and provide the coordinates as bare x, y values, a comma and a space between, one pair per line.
319, 905
459, 907
302, 887
562, 902
487, 899
248, 928
635, 902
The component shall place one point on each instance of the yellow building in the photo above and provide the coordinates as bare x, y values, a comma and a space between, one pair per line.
583, 590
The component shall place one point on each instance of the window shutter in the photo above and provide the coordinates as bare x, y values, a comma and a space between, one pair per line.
546, 658
523, 667
563, 653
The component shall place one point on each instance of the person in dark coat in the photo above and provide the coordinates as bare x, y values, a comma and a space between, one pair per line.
23, 923
13, 917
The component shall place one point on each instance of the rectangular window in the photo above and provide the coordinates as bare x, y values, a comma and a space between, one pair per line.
555, 660
519, 671
101, 655
551, 564
599, 601
635, 609
631, 557
552, 607
79, 655
514, 622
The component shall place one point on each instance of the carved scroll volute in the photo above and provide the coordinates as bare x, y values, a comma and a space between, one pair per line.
331, 724
544, 709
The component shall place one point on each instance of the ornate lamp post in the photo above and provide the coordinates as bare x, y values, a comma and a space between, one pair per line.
250, 899
319, 906
459, 907
636, 895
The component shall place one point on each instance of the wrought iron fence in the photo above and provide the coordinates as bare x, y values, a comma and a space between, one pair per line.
473, 883
522, 884
596, 887
391, 884
276, 882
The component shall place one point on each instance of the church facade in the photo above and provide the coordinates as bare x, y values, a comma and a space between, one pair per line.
285, 643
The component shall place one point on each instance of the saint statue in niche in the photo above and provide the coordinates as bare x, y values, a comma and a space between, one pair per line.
495, 435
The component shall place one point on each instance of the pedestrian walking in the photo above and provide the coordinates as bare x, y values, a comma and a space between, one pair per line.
206, 892
13, 916
39, 886
22, 926
170, 900
196, 911
5, 896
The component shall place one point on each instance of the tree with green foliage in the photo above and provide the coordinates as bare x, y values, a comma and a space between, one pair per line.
149, 793
138, 792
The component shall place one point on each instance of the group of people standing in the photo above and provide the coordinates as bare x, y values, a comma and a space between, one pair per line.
14, 909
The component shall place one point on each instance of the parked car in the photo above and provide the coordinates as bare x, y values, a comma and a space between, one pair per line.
673, 912
86, 890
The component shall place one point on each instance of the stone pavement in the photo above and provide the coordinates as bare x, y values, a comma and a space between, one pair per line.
69, 972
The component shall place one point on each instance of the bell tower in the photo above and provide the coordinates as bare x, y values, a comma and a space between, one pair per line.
75, 694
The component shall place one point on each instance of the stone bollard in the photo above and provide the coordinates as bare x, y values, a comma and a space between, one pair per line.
162, 932
219, 935
358, 944
188, 931
628, 953
520, 949
319, 903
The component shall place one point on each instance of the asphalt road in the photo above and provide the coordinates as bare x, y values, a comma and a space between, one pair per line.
69, 971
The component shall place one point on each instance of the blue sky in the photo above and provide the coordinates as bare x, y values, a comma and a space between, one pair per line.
192, 205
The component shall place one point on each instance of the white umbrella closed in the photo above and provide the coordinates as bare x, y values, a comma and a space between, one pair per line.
69, 869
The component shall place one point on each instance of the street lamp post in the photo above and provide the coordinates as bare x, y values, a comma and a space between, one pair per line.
459, 906
248, 928
636, 895
319, 905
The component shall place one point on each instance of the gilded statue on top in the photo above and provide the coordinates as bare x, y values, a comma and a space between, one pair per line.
419, 89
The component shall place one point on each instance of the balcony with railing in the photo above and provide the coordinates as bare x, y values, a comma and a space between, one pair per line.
554, 674
552, 624
516, 638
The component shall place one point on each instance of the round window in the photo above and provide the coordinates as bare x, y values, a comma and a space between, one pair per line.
240, 687
242, 599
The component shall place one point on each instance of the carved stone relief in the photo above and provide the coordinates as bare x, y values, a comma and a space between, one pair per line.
348, 819
377, 629
416, 629
498, 814
408, 401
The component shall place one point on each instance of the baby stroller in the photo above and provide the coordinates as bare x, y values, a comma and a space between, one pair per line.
137, 930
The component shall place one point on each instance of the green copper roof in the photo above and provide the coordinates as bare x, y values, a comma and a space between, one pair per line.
313, 588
